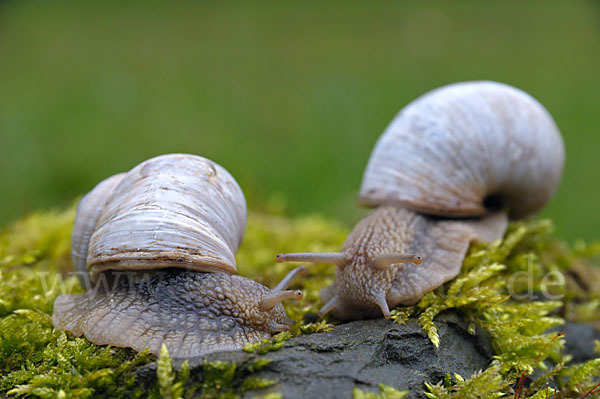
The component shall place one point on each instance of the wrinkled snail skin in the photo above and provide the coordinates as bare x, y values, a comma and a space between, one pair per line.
156, 249
442, 175
192, 313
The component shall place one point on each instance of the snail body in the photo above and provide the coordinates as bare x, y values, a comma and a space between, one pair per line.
450, 169
156, 248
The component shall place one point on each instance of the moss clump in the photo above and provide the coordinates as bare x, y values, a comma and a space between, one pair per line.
38, 361
385, 392
495, 291
35, 359
168, 387
218, 379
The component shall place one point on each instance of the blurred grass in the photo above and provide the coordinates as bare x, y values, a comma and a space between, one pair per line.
290, 98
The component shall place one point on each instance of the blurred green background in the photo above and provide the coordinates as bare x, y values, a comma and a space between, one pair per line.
290, 98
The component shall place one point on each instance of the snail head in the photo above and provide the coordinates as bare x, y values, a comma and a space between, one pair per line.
353, 273
269, 308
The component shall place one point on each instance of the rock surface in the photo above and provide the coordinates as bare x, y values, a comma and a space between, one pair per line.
579, 339
365, 353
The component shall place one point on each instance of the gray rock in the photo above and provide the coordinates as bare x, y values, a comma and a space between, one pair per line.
363, 354
580, 340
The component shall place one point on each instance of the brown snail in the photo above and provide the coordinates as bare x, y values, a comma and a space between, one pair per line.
470, 150
159, 245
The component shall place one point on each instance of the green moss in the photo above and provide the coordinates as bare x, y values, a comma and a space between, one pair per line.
268, 345
38, 361
491, 293
224, 380
385, 392
168, 387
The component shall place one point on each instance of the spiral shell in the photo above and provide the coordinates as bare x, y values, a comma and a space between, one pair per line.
173, 210
457, 149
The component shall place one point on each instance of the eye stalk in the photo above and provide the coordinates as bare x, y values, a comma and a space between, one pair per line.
270, 300
285, 282
280, 293
384, 261
335, 258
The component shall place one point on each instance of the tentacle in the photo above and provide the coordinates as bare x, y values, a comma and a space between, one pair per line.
336, 258
384, 261
382, 303
276, 327
332, 304
272, 299
283, 284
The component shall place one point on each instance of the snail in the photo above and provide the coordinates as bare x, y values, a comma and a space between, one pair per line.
156, 247
450, 169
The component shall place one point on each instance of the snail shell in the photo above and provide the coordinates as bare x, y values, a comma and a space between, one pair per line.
460, 148
466, 150
170, 211
148, 239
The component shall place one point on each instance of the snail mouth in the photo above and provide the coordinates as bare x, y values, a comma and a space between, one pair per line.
494, 202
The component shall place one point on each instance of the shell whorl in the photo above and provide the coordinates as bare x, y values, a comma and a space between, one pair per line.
173, 210
454, 148
88, 211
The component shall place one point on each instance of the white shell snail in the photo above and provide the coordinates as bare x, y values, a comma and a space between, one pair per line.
159, 244
469, 150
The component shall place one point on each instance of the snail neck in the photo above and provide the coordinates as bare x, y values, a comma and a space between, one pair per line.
383, 231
